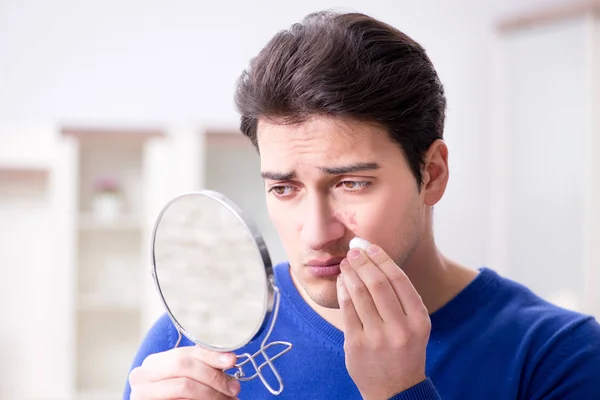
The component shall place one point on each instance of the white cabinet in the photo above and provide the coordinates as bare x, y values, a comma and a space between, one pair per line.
545, 145
78, 294
110, 256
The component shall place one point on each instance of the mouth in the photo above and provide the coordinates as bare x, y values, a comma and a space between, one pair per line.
325, 267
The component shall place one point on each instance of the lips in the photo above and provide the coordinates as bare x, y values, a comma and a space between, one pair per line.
325, 267
324, 262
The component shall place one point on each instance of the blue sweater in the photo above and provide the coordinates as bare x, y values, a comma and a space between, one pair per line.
494, 340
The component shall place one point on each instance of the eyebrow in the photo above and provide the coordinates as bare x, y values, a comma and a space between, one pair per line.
278, 176
350, 168
344, 169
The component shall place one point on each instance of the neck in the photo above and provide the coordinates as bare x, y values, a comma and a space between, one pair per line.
436, 278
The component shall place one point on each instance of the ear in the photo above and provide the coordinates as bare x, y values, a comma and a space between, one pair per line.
435, 172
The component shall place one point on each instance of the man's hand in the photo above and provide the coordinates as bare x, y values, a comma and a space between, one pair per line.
184, 373
386, 324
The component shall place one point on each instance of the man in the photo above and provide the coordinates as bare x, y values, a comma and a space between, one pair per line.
347, 114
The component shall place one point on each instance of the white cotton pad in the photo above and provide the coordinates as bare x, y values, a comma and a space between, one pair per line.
359, 243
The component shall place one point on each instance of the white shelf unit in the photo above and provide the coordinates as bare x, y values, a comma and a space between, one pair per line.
111, 258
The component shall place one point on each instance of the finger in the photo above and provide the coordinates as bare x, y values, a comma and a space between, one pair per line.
407, 294
349, 316
212, 358
215, 359
189, 370
186, 363
384, 296
175, 389
360, 296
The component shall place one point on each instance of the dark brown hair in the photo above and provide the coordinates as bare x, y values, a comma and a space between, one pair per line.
346, 65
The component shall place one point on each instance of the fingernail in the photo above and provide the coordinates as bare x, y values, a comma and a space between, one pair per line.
372, 249
354, 254
233, 386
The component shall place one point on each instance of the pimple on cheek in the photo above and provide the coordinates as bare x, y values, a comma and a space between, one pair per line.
348, 218
352, 219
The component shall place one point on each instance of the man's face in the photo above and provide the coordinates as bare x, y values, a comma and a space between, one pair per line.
329, 180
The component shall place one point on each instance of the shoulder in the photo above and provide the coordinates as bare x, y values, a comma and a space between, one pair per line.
281, 274
528, 313
560, 348
525, 308
161, 336
565, 362
161, 333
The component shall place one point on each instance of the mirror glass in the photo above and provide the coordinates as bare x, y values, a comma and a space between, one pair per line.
212, 270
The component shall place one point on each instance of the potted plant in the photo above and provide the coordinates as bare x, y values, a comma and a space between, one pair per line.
107, 200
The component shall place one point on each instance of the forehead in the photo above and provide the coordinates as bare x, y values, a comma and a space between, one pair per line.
319, 136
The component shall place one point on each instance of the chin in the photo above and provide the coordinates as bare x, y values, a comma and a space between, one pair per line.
324, 294
331, 303
322, 291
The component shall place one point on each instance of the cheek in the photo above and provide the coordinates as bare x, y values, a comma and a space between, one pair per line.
370, 225
350, 219
276, 217
347, 218
284, 222
383, 223
360, 220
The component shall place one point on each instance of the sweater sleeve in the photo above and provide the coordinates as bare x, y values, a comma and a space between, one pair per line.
568, 367
162, 336
422, 391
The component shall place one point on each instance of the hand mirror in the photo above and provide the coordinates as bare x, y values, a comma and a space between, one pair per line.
214, 277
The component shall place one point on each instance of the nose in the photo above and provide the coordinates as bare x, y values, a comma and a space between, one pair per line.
319, 225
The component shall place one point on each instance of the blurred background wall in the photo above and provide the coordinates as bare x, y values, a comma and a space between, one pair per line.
136, 98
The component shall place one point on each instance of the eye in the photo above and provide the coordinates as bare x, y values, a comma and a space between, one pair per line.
281, 190
354, 186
